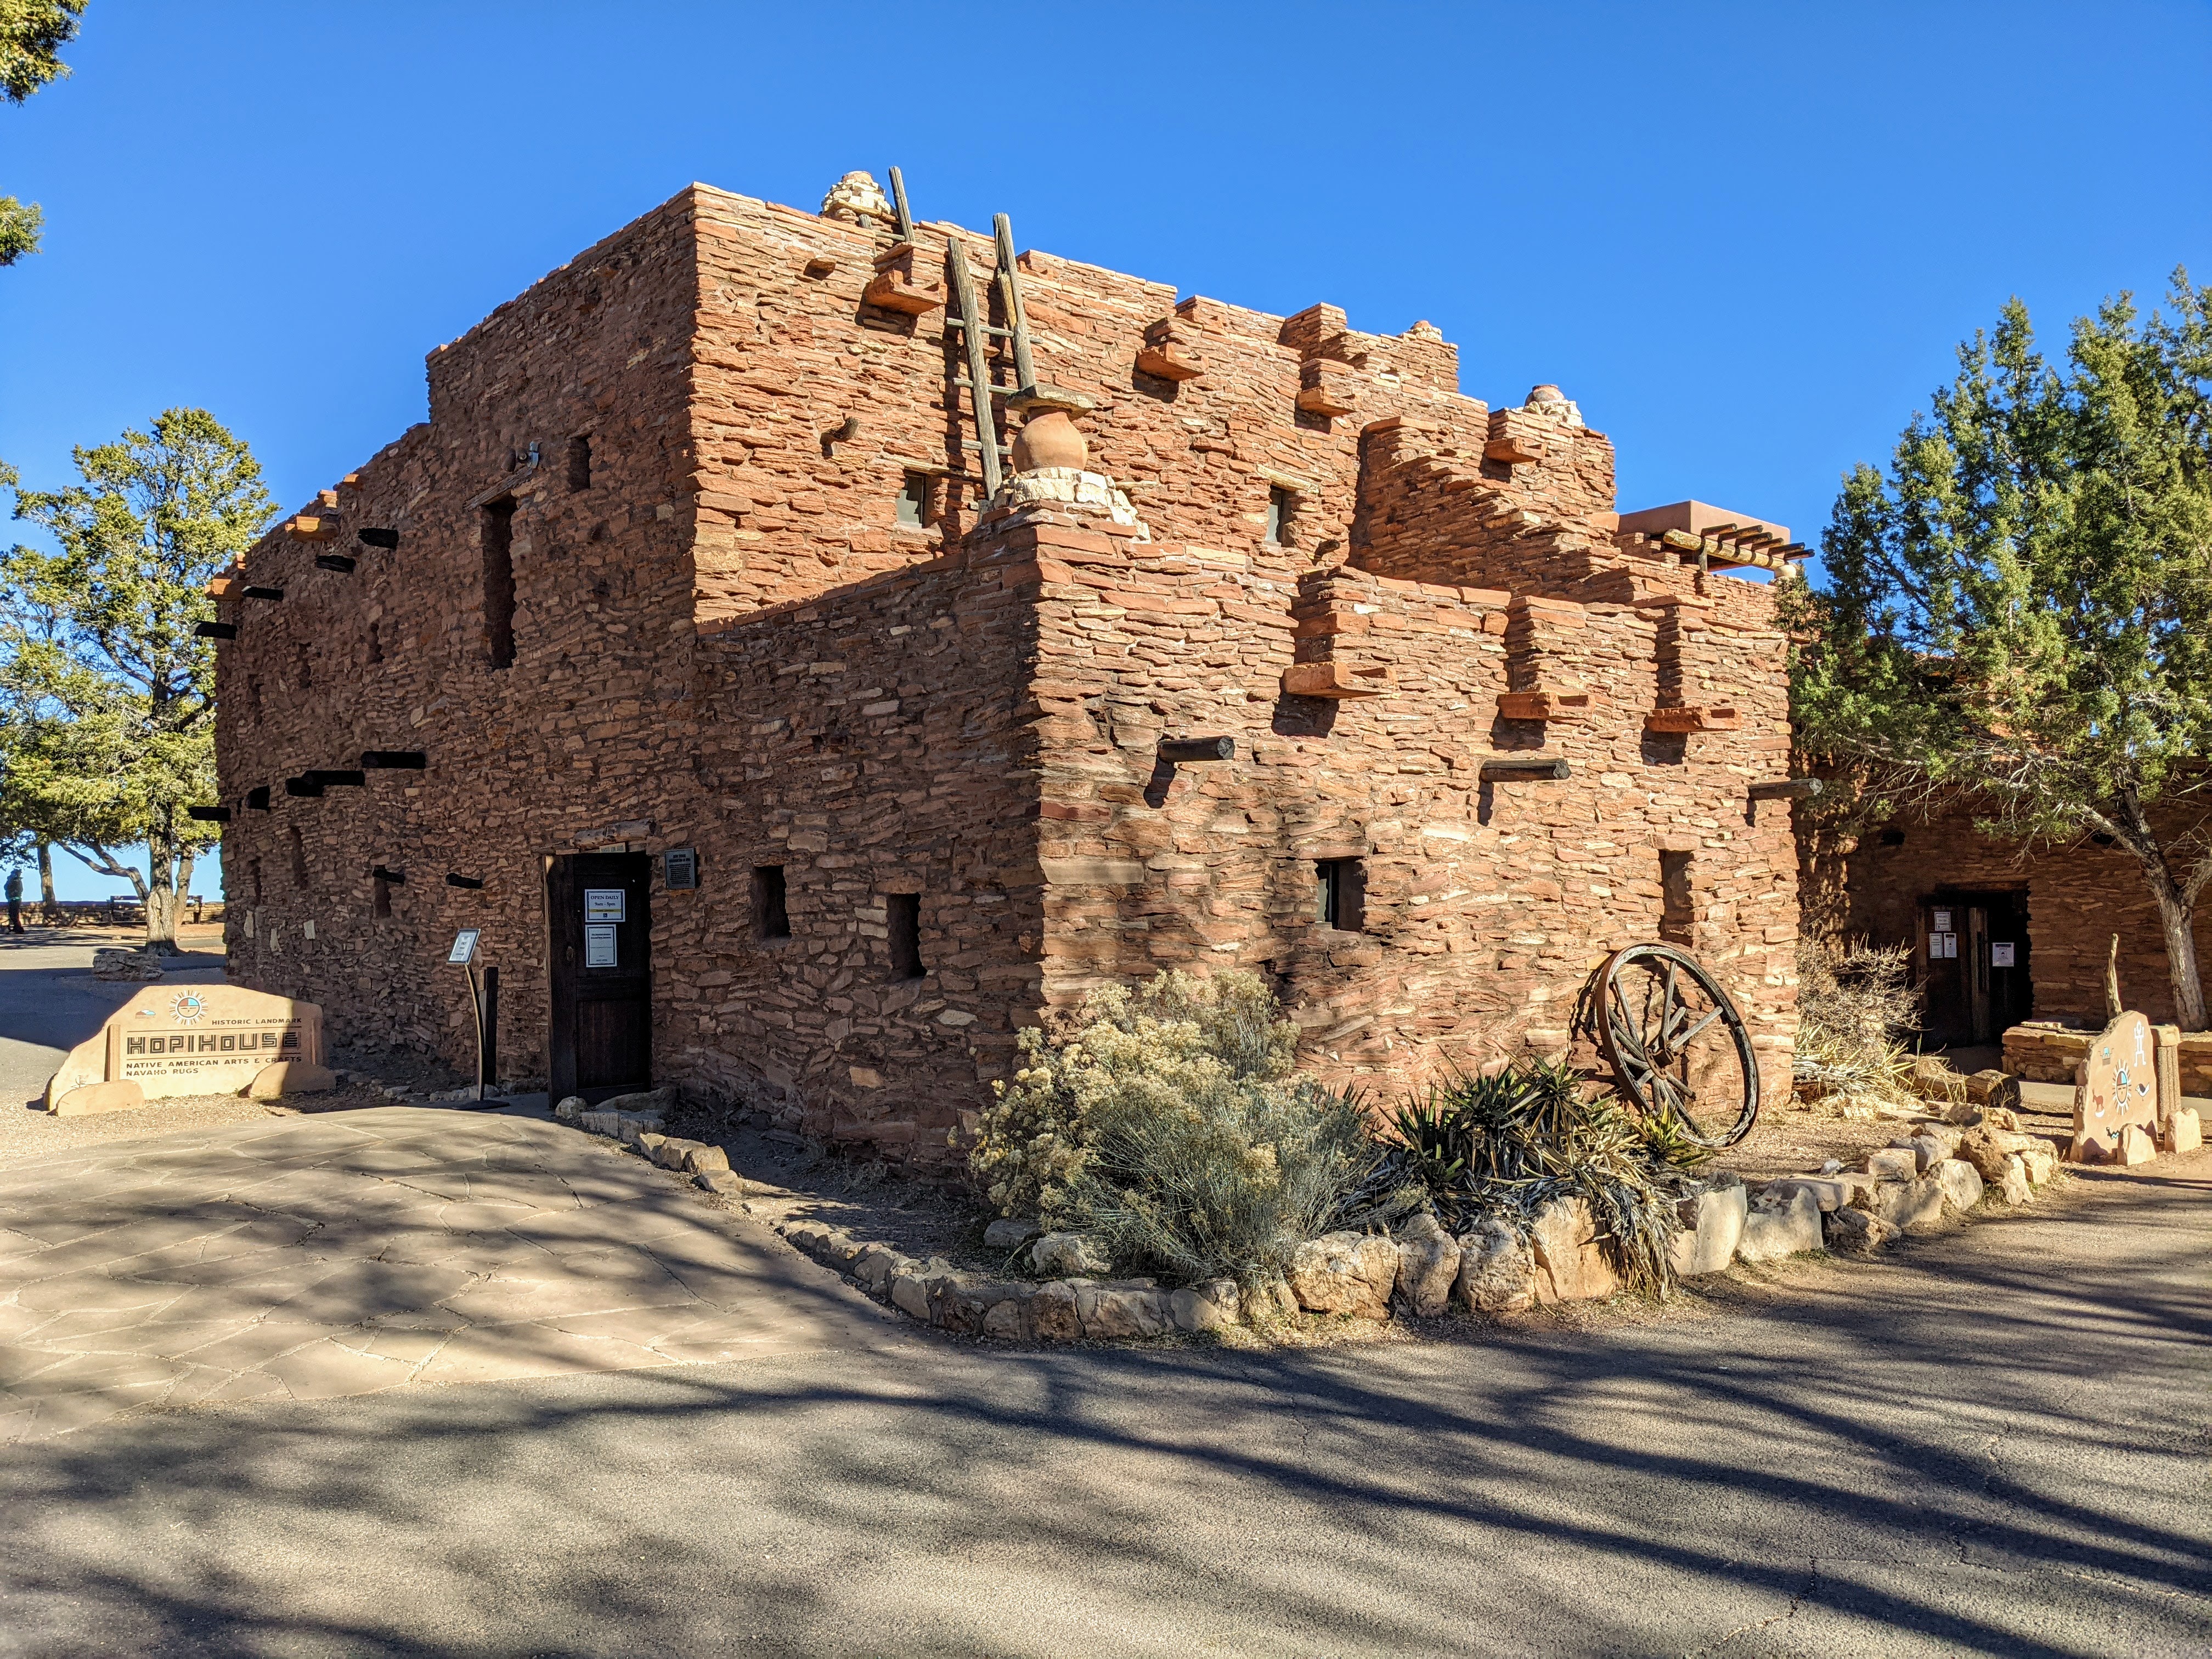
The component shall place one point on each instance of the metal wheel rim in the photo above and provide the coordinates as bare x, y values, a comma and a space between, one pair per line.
1645, 1079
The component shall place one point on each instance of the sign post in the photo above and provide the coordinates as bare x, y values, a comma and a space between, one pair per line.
484, 1004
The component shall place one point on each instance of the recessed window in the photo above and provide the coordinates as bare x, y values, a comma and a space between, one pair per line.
299, 857
375, 644
914, 499
1281, 505
1678, 904
379, 896
1340, 894
498, 533
902, 912
579, 462
770, 918
258, 798
1893, 838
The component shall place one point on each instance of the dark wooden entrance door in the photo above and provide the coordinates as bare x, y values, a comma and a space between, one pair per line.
1974, 947
601, 944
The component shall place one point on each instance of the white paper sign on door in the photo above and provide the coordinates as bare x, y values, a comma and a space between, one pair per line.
604, 904
2001, 953
600, 947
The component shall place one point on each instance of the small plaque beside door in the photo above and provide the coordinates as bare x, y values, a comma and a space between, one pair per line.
599, 946
2001, 953
679, 868
605, 904
1943, 922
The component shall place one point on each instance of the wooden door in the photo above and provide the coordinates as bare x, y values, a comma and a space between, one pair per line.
1974, 966
599, 938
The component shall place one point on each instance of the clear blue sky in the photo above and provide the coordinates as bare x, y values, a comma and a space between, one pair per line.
1744, 238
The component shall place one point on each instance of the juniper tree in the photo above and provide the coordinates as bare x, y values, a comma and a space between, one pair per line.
106, 696
2018, 613
32, 35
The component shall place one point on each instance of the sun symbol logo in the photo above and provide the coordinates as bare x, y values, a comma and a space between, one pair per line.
187, 1008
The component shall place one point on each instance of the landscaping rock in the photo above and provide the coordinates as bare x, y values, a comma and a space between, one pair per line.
1345, 1274
2133, 1146
910, 1294
1834, 1192
135, 966
1010, 1232
1911, 1206
1712, 1222
1068, 1255
635, 1125
1497, 1271
2182, 1132
703, 1159
291, 1077
1994, 1087
570, 1109
1932, 1079
1892, 1164
1009, 1317
1207, 1307
2039, 1157
2012, 1185
672, 1151
1106, 1311
1571, 1264
1428, 1265
1052, 1315
651, 1103
1961, 1183
875, 1266
725, 1182
1857, 1233
1926, 1149
1780, 1224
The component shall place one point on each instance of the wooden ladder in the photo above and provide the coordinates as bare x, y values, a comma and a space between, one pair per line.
976, 335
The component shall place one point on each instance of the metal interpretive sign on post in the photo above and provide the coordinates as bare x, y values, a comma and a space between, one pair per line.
464, 946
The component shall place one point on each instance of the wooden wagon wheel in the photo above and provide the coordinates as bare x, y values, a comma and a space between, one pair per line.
1676, 1043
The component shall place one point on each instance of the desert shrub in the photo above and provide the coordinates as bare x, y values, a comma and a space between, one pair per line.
1504, 1145
1853, 1016
1166, 1124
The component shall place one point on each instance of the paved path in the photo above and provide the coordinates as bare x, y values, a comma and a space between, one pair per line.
1992, 1442
308, 1258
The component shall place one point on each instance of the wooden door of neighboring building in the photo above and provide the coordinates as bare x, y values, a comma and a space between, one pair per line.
599, 960
1973, 955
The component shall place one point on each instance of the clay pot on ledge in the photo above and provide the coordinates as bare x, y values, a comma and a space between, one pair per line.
1050, 439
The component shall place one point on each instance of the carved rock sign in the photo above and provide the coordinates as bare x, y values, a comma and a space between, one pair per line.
2116, 1090
188, 1040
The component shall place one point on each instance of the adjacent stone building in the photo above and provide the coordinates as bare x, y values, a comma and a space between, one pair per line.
683, 654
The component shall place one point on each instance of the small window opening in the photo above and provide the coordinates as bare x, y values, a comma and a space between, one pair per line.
770, 918
914, 499
1340, 894
579, 462
253, 876
1281, 505
375, 644
902, 911
258, 800
1893, 838
499, 582
1678, 906
299, 857
379, 896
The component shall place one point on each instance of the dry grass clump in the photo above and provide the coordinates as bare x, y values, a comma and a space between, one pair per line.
1167, 1126
1854, 1015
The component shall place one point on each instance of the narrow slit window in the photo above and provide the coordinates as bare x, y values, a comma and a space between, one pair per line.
379, 896
902, 911
1281, 504
579, 462
1678, 904
1340, 894
299, 857
499, 583
770, 918
914, 499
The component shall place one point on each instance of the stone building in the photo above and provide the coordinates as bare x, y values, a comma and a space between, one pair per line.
684, 653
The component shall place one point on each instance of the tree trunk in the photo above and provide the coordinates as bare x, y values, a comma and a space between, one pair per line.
49, 912
161, 885
2177, 919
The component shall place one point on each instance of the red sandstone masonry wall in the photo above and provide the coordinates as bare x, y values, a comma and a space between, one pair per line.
590, 725
1486, 909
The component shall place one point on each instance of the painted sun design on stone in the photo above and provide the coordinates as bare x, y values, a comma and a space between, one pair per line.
187, 1006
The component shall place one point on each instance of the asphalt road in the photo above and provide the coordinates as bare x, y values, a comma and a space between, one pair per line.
1992, 1442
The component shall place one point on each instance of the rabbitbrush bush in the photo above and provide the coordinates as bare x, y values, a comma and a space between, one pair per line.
1167, 1127
1852, 1016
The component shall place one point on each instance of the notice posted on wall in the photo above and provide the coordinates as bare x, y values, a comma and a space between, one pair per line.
604, 904
2001, 953
1942, 947
600, 947
1942, 922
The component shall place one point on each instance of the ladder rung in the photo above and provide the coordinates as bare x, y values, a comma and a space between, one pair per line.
971, 443
981, 328
995, 391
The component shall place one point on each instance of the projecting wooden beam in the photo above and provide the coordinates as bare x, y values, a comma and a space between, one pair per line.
392, 760
208, 814
1786, 789
323, 777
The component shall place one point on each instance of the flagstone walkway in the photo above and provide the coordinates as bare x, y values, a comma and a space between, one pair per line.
367, 1250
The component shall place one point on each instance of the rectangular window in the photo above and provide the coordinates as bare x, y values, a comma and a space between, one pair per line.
770, 918
498, 531
1678, 907
379, 896
1281, 504
902, 911
914, 499
1340, 894
579, 462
